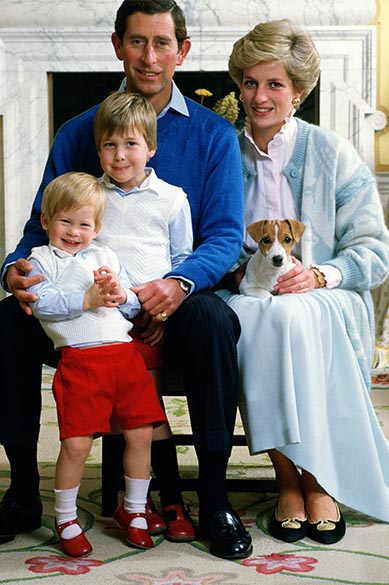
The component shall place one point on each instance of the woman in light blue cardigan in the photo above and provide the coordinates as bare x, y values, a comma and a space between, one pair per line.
305, 354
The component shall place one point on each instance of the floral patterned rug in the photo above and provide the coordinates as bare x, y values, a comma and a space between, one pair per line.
362, 557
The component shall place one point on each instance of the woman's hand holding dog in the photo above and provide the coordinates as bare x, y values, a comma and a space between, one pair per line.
298, 280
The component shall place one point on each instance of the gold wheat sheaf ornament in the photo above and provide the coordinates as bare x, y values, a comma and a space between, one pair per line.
228, 107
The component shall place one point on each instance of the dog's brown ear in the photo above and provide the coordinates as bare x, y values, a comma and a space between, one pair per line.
297, 228
255, 230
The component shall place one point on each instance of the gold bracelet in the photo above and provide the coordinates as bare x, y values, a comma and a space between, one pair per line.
320, 277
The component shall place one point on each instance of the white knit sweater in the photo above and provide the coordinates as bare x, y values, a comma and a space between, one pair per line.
137, 228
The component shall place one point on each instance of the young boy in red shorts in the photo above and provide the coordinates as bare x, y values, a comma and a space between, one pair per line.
84, 306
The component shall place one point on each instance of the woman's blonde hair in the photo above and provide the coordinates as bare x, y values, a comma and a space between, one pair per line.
71, 191
278, 40
121, 111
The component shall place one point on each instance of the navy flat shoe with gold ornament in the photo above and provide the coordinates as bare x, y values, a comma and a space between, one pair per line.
327, 531
287, 529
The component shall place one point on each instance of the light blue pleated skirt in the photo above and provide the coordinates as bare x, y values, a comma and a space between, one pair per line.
303, 393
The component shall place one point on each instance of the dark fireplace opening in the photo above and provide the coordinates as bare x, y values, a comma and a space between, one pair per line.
72, 93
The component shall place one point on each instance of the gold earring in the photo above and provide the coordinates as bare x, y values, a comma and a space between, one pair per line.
296, 102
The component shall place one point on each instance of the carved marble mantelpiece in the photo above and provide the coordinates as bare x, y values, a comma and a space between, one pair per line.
38, 37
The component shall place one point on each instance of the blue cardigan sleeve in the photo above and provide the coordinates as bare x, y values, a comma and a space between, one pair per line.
342, 211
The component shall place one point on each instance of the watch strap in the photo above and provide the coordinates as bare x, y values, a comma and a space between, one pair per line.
185, 285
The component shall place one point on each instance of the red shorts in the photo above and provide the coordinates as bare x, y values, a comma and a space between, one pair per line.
152, 356
93, 383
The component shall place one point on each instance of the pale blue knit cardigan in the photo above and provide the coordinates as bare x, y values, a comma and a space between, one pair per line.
337, 199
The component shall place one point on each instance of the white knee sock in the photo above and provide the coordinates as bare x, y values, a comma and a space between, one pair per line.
135, 499
66, 509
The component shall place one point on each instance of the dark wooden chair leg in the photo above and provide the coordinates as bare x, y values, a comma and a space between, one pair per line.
111, 472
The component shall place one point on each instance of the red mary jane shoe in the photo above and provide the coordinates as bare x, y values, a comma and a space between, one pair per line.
79, 546
155, 522
180, 527
138, 537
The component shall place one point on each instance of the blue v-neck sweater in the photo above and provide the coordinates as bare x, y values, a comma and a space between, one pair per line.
199, 153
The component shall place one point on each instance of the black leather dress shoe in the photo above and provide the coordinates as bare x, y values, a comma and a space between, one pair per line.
229, 539
15, 518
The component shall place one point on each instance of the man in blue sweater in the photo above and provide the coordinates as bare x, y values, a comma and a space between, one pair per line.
198, 151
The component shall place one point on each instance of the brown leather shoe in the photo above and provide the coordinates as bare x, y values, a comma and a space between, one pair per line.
138, 537
79, 546
180, 527
155, 521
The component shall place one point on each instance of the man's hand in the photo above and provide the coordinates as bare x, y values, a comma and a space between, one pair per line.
163, 295
17, 283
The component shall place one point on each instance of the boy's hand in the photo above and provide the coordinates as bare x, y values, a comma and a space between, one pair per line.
106, 290
109, 285
152, 332
106, 279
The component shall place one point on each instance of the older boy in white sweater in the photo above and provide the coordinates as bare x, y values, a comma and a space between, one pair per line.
148, 223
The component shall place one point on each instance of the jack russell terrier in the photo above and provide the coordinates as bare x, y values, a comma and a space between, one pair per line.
275, 240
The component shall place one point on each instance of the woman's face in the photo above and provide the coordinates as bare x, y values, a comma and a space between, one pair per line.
267, 94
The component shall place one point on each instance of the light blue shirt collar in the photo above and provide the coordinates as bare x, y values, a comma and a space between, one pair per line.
177, 101
63, 254
150, 182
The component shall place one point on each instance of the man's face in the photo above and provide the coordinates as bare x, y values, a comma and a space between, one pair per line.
150, 55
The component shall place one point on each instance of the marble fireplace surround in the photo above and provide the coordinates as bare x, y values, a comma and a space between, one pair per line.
38, 37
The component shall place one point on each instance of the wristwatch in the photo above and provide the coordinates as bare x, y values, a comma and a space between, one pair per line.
185, 285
